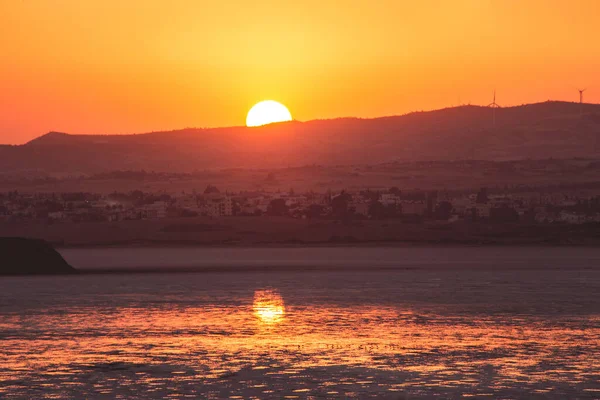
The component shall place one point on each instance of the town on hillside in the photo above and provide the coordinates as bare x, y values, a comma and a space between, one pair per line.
481, 205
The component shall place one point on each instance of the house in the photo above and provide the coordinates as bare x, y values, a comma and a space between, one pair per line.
217, 205
158, 209
248, 209
263, 205
454, 218
542, 217
462, 204
413, 207
57, 215
360, 207
482, 210
189, 203
501, 201
572, 218
389, 199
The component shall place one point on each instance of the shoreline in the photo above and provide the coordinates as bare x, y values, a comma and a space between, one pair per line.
280, 245
280, 267
277, 232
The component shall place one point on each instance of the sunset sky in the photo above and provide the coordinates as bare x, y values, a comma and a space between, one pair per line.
114, 66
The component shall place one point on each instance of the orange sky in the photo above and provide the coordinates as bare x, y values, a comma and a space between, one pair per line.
114, 66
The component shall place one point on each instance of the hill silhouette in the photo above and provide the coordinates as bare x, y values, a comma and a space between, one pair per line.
541, 130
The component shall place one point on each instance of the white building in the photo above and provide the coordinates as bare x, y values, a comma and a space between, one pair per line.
158, 209
57, 215
543, 217
389, 199
217, 205
482, 210
413, 207
297, 201
572, 218
462, 204
360, 207
189, 203
501, 201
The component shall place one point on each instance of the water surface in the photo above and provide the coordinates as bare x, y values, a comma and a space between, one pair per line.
461, 325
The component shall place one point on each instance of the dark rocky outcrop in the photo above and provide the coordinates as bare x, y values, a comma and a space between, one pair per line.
20, 256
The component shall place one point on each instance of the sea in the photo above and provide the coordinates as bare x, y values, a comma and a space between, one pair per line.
306, 323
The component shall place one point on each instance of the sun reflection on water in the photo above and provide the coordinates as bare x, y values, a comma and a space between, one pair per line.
220, 343
268, 306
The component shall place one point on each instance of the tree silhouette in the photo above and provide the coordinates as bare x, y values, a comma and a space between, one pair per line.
277, 207
377, 209
339, 204
314, 211
211, 189
482, 196
443, 210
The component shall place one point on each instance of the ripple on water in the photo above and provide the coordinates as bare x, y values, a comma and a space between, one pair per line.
297, 338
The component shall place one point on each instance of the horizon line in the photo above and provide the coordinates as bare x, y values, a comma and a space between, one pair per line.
292, 121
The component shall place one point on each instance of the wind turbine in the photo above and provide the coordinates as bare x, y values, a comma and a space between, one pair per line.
493, 105
581, 95
581, 100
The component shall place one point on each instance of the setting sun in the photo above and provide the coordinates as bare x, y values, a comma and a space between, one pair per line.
267, 112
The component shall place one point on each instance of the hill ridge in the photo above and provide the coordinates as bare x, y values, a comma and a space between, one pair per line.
574, 105
539, 130
56, 134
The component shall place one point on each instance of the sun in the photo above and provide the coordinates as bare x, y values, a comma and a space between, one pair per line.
267, 112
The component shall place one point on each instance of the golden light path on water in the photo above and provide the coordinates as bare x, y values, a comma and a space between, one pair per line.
159, 339
268, 306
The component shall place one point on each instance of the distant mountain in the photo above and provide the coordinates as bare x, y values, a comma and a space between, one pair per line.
542, 130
